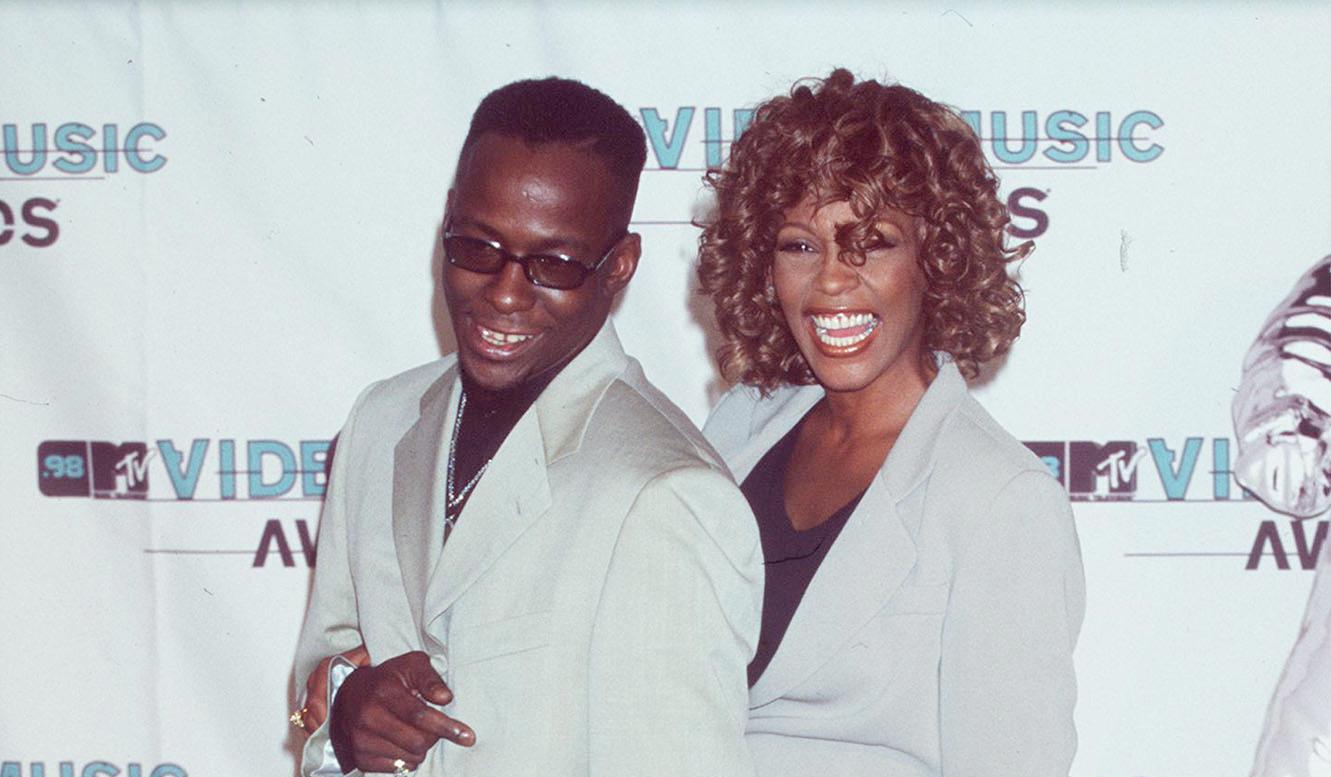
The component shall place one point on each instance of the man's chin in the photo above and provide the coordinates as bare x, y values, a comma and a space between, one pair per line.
488, 375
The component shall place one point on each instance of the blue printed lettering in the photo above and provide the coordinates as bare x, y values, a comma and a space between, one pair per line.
38, 159
183, 479
1104, 137
313, 462
712, 136
1057, 128
742, 118
132, 153
1220, 467
110, 146
259, 488
1175, 479
226, 468
1029, 137
1127, 144
68, 139
667, 150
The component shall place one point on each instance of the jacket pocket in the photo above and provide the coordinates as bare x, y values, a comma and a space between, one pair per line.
476, 642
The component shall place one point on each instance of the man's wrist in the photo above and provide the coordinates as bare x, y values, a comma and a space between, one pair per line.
340, 735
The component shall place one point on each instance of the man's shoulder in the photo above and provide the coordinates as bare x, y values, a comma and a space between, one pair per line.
664, 470
645, 429
406, 388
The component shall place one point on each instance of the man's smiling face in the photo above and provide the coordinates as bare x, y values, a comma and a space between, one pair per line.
545, 199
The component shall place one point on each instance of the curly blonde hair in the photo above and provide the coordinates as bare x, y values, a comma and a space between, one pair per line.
877, 147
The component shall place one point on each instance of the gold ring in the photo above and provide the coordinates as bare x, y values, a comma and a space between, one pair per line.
400, 768
297, 718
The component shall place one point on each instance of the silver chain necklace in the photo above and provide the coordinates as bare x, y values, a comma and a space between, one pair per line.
455, 500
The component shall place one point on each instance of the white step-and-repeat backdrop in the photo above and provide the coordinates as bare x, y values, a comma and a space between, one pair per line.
218, 222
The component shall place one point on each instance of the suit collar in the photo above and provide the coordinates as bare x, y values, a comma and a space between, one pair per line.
565, 407
912, 455
418, 500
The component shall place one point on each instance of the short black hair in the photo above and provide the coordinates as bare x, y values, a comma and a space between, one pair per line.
561, 110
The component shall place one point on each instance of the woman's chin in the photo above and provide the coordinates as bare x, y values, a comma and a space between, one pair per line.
845, 377
871, 367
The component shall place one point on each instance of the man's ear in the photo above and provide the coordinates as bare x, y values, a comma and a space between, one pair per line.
621, 265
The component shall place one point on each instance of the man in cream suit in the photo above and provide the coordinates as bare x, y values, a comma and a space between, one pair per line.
551, 571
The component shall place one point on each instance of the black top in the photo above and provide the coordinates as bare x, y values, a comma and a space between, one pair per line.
486, 422
791, 557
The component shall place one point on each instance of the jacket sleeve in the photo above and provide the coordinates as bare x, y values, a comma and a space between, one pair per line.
1296, 741
674, 631
319, 760
1006, 683
331, 624
730, 423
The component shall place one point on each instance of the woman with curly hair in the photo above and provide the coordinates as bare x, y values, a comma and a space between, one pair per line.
923, 580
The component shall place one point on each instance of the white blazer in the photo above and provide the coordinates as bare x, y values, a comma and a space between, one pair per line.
937, 636
596, 606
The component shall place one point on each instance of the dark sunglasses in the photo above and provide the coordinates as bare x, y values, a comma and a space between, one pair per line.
549, 271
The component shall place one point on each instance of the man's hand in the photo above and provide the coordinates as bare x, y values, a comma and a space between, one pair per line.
316, 687
380, 715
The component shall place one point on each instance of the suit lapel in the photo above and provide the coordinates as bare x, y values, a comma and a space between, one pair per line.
515, 490
875, 552
510, 496
418, 516
868, 562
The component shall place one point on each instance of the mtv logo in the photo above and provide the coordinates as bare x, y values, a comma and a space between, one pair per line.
1103, 471
120, 471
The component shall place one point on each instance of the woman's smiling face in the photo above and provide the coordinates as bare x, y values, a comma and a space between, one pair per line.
855, 324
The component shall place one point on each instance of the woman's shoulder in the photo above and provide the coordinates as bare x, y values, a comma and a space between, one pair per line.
975, 449
744, 410
988, 490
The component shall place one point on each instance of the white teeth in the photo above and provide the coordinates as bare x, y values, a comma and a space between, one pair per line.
501, 338
842, 342
843, 320
822, 324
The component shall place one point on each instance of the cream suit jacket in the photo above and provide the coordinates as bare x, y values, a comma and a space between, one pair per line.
937, 636
598, 601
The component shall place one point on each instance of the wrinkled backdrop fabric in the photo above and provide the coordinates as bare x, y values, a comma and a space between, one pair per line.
219, 221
